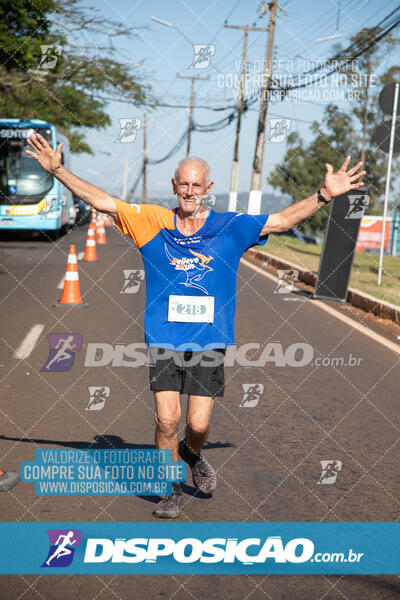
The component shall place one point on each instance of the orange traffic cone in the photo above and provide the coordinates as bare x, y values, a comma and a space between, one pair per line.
72, 292
8, 480
90, 251
94, 215
100, 231
107, 221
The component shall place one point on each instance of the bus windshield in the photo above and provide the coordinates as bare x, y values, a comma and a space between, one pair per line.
22, 179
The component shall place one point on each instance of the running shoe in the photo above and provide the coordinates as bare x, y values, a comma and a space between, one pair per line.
169, 506
203, 475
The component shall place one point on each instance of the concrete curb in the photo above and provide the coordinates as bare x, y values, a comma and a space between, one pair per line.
378, 307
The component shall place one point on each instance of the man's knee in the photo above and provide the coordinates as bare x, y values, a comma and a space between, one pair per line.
167, 425
197, 428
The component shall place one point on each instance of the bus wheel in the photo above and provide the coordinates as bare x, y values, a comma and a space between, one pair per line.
53, 235
64, 229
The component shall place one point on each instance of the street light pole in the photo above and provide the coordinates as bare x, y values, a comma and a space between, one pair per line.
317, 41
157, 20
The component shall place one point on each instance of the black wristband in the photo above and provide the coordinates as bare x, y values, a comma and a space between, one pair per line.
321, 198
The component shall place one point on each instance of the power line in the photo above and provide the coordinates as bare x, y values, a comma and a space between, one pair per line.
371, 38
226, 20
349, 52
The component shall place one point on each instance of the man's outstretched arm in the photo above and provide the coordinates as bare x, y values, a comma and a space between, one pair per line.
335, 184
50, 160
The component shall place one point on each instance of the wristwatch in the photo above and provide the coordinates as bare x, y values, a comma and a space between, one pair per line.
321, 198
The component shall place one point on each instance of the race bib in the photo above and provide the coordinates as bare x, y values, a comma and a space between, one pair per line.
191, 309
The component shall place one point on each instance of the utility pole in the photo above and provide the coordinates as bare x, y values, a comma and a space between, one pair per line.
126, 162
338, 16
124, 187
144, 190
235, 166
190, 127
256, 179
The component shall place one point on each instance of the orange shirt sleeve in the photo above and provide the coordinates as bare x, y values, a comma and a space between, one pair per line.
142, 222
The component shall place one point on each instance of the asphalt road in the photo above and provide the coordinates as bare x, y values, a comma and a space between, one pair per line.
267, 455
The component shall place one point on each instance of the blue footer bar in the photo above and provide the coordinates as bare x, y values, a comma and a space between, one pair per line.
200, 548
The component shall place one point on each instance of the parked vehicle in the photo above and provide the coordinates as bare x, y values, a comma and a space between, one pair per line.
30, 198
83, 212
295, 233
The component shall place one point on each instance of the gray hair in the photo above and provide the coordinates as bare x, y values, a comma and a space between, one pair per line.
197, 160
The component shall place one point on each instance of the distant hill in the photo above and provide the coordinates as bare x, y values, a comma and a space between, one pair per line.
270, 202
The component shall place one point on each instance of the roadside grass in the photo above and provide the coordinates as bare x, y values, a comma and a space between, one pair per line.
365, 267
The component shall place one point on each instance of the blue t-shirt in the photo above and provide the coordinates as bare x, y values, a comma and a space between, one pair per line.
202, 264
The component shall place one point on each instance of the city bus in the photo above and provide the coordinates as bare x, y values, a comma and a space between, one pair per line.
30, 198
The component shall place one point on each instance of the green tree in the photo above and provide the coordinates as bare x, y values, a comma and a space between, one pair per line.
302, 170
75, 92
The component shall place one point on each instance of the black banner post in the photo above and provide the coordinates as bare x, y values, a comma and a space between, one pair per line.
339, 245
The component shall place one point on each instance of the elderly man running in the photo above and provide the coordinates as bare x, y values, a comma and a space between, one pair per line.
191, 256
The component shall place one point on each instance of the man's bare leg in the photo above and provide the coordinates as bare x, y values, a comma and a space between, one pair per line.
198, 421
167, 417
197, 427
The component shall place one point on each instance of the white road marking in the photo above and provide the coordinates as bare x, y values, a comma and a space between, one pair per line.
61, 284
29, 342
361, 328
80, 255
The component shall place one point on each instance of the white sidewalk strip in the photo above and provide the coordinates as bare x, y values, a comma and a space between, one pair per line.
335, 313
80, 255
29, 342
61, 284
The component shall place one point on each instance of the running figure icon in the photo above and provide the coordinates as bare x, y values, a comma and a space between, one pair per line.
62, 346
62, 549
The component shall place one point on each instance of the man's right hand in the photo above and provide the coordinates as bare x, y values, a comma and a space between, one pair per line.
49, 159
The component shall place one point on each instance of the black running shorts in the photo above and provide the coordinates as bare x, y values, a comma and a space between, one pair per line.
199, 372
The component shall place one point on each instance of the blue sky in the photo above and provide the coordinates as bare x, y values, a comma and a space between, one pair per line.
163, 52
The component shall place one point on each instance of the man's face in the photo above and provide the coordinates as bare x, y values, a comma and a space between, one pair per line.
191, 186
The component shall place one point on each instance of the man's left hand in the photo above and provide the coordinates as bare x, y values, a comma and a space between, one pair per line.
342, 181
